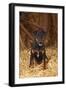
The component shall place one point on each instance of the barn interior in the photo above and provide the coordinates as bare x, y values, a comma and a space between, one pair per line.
30, 22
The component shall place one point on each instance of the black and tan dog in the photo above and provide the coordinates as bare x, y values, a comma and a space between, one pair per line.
38, 52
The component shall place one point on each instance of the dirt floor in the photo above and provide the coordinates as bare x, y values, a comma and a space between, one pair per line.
38, 71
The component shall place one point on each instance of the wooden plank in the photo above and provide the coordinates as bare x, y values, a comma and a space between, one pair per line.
25, 30
36, 25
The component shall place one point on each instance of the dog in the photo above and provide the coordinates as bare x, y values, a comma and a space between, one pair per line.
38, 52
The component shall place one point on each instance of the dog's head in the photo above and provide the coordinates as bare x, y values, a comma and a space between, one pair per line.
39, 35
